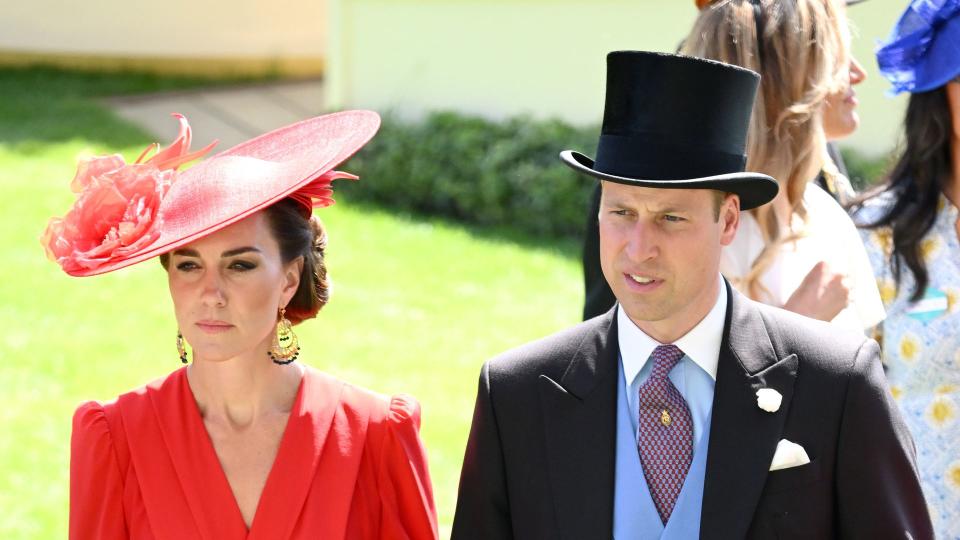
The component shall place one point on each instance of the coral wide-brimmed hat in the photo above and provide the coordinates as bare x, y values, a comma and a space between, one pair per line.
127, 213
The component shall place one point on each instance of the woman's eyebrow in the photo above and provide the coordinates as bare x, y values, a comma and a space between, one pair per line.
187, 252
238, 251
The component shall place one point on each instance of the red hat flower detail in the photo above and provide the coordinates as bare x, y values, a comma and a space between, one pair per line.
115, 213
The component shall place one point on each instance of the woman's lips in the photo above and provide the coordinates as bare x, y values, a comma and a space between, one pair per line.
214, 327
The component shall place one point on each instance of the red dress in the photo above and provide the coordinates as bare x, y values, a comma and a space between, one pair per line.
350, 465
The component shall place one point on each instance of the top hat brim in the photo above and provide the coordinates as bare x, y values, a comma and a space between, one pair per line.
247, 178
753, 189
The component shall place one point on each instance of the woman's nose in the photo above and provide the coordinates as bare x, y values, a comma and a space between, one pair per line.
857, 73
212, 292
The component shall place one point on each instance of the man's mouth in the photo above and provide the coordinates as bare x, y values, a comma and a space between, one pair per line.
641, 279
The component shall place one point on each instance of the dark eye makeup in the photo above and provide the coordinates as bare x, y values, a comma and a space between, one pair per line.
186, 266
239, 265
242, 266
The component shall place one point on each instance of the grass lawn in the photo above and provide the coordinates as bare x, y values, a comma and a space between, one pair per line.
418, 304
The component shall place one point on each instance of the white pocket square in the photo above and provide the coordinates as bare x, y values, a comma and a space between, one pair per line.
788, 454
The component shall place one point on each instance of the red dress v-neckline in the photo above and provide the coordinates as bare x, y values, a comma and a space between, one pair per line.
204, 483
350, 465
217, 477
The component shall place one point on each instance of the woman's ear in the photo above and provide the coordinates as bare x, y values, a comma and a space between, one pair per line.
291, 278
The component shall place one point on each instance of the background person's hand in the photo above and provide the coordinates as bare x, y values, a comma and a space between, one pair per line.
822, 294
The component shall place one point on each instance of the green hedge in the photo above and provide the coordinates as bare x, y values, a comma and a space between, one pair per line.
478, 171
494, 173
863, 170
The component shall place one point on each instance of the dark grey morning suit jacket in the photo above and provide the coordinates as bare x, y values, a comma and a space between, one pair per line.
540, 458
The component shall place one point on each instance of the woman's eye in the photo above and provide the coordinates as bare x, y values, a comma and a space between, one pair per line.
242, 266
187, 266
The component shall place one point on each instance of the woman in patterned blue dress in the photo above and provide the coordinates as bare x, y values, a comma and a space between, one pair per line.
910, 228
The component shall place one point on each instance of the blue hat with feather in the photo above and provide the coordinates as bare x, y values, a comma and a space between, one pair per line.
923, 51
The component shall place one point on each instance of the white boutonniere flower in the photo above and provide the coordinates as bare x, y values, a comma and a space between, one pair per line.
769, 399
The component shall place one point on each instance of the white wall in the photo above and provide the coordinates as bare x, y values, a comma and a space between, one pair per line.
167, 28
543, 57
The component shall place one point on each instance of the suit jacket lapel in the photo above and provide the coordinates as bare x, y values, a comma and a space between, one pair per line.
743, 437
579, 414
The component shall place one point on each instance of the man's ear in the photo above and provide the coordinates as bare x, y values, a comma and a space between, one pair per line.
729, 218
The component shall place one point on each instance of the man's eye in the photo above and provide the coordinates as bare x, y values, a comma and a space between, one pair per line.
672, 219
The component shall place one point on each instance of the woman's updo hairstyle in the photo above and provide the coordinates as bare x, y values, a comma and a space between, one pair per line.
299, 235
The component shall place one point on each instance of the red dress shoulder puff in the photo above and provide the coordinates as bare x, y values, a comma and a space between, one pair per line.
350, 465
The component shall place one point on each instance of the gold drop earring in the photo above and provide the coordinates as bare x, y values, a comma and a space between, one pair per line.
180, 348
286, 346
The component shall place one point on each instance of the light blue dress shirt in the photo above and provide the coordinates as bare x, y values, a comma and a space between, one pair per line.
635, 515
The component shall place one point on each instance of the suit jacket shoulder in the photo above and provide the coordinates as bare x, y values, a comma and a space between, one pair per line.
818, 344
835, 404
540, 456
552, 355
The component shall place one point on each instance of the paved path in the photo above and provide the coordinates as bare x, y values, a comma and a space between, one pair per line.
231, 114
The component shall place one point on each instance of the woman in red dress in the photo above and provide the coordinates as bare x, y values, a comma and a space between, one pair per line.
244, 442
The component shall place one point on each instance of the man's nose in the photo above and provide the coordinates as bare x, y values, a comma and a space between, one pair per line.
642, 244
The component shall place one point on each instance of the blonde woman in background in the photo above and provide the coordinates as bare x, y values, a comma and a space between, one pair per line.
802, 252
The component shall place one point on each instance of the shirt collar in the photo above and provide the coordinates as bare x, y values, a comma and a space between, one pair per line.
701, 343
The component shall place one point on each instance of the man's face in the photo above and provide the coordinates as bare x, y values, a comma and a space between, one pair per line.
660, 253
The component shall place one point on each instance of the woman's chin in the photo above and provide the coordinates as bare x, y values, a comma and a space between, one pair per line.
215, 355
843, 127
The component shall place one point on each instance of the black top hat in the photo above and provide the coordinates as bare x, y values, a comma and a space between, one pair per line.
676, 122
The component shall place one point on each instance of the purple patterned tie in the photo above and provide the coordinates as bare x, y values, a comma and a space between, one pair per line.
665, 438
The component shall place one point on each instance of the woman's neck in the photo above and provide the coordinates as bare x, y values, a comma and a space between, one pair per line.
779, 209
952, 188
781, 204
238, 391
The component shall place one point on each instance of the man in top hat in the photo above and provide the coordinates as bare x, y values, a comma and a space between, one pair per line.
687, 410
598, 298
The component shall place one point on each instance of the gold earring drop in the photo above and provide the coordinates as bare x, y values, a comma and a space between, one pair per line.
180, 348
286, 346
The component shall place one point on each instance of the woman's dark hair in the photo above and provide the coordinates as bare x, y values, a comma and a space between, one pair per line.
298, 236
301, 236
916, 181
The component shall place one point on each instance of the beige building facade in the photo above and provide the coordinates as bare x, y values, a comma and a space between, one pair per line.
544, 58
205, 37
